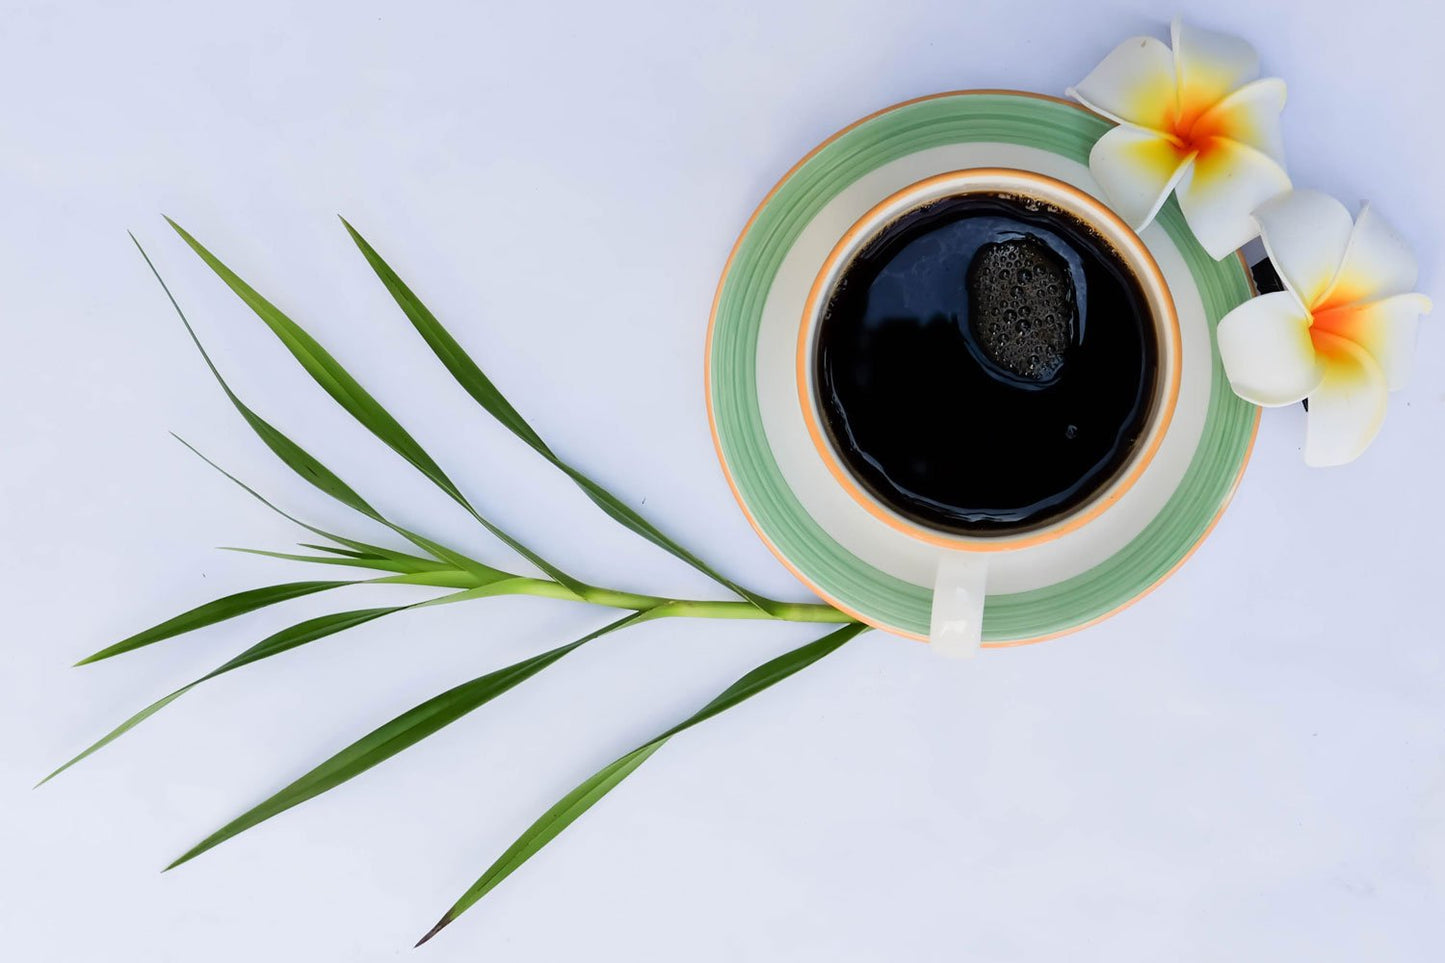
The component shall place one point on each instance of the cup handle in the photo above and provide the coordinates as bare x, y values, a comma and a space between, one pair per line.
959, 589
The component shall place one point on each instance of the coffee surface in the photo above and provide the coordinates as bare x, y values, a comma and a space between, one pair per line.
986, 364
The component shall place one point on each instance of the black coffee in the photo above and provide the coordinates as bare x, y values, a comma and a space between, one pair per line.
985, 364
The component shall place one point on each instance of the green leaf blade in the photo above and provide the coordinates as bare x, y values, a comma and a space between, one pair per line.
448, 350
396, 566
372, 556
291, 454
325, 370
440, 552
121, 729
476, 383
301, 461
302, 633
307, 466
210, 613
571, 806
547, 828
399, 734
333, 378
274, 644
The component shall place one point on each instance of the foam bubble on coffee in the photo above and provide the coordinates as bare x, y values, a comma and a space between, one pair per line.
1022, 307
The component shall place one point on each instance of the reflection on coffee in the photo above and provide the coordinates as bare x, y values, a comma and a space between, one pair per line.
986, 364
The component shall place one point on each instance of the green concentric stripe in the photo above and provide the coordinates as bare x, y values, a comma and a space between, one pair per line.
955, 118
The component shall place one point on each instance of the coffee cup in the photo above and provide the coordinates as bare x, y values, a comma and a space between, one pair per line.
987, 360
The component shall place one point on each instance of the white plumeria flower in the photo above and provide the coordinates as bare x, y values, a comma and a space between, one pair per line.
1342, 332
1194, 120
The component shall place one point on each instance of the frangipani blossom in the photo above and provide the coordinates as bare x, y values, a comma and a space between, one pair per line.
1342, 332
1194, 120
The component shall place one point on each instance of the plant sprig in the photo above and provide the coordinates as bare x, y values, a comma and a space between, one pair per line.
459, 577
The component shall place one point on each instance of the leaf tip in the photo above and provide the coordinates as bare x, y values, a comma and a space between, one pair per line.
441, 923
355, 234
56, 773
185, 234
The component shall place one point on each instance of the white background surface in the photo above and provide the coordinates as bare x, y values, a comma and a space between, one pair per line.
1247, 765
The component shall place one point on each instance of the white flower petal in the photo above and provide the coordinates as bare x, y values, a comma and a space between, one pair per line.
1348, 407
1267, 352
1226, 182
1305, 233
1134, 84
1377, 263
1249, 115
1385, 328
1137, 169
1208, 65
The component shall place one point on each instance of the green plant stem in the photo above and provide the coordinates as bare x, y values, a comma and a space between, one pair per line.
653, 606
660, 607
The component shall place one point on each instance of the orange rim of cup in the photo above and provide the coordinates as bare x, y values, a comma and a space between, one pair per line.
1118, 235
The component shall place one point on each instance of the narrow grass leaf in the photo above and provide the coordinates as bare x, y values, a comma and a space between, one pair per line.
440, 552
291, 454
401, 733
275, 644
376, 553
450, 579
475, 382
398, 566
302, 633
296, 458
122, 729
452, 354
347, 552
212, 612
326, 371
579, 800
363, 548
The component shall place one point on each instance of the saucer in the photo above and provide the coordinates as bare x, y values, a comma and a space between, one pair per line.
847, 555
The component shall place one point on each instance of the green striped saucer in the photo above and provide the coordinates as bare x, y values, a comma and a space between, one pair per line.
851, 558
